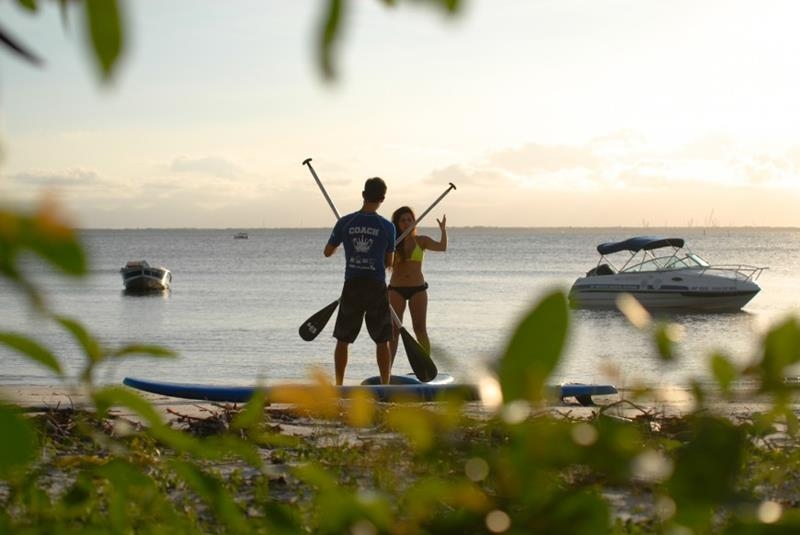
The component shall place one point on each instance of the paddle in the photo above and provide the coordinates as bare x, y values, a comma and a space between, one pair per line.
314, 325
421, 363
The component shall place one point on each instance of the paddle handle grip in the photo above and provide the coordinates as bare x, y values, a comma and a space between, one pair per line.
307, 162
412, 227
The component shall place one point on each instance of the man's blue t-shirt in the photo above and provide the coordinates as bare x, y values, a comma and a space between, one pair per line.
366, 237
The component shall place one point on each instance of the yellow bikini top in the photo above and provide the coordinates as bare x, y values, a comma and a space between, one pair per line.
416, 255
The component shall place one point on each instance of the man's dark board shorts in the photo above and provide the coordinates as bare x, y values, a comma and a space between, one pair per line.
364, 298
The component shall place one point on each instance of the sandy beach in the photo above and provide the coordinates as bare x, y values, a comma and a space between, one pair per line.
673, 402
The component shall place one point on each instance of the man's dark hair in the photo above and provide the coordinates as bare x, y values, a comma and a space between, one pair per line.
374, 190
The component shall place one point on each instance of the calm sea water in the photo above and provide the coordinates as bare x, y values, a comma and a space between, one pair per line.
236, 305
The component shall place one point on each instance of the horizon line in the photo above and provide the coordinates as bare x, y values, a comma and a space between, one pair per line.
556, 227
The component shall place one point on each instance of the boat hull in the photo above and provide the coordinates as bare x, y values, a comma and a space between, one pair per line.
146, 279
707, 294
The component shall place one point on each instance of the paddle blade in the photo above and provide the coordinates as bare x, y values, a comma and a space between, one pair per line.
421, 363
314, 325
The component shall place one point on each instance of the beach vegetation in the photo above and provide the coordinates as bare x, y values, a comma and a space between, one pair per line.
365, 467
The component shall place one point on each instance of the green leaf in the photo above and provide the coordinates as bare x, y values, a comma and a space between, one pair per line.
62, 9
18, 447
724, 372
211, 490
253, 412
316, 476
706, 470
698, 393
105, 398
49, 236
583, 512
111, 396
30, 5
534, 349
328, 37
143, 349
664, 342
105, 29
44, 233
781, 349
791, 422
79, 495
131, 487
451, 6
91, 347
33, 350
337, 509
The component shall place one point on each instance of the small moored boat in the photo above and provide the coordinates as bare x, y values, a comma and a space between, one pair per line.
678, 280
240, 236
139, 276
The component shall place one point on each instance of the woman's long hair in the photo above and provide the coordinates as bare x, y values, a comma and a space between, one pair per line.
400, 250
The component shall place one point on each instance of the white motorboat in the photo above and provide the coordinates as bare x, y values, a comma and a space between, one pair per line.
139, 276
678, 280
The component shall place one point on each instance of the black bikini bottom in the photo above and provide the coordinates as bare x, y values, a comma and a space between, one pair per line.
408, 291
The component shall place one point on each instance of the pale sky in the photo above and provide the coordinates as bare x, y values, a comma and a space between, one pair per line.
542, 112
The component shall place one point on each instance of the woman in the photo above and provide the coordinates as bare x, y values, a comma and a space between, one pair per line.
407, 283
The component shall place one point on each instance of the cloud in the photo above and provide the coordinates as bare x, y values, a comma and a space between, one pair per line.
624, 159
458, 174
762, 169
715, 146
535, 158
211, 165
625, 139
69, 178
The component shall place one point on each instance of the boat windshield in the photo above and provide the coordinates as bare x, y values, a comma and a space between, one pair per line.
663, 263
700, 261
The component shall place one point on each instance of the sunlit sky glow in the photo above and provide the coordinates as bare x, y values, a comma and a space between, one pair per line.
542, 112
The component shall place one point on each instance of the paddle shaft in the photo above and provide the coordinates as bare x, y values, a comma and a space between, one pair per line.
416, 222
321, 187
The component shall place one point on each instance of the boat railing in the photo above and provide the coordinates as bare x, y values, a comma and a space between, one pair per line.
742, 271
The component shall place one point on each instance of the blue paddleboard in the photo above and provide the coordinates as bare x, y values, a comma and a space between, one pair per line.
410, 379
401, 388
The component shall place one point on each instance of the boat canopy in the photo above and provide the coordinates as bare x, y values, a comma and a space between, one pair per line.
638, 243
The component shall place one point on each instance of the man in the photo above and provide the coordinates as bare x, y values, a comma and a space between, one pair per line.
368, 240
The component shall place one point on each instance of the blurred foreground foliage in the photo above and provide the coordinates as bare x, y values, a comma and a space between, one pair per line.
377, 468
368, 467
104, 22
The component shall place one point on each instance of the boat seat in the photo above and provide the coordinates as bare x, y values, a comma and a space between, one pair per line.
602, 269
